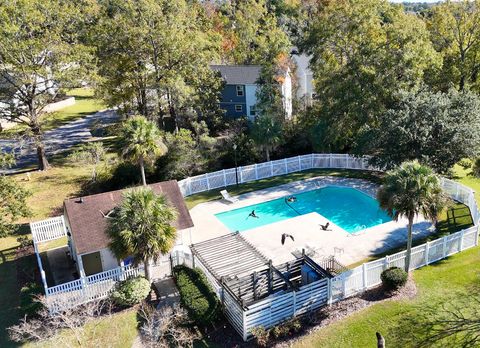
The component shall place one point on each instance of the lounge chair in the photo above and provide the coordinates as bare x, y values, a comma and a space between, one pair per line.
226, 196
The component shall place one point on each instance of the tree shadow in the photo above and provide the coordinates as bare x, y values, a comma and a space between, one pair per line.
445, 322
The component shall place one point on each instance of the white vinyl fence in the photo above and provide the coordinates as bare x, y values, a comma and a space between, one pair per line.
283, 306
366, 276
227, 177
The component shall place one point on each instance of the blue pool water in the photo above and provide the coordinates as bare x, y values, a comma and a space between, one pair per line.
348, 208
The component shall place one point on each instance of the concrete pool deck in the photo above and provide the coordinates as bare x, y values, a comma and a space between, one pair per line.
347, 248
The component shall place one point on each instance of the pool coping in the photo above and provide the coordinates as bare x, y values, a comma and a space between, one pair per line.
364, 189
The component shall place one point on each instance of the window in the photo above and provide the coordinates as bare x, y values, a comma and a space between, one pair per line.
239, 91
238, 108
252, 110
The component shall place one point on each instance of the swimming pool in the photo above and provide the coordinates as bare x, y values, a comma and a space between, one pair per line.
348, 208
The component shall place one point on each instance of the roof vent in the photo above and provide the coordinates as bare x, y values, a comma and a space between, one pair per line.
80, 200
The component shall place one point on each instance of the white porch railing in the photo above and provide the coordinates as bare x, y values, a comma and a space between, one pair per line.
95, 287
49, 229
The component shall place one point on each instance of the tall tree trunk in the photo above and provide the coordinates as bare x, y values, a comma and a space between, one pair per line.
161, 114
172, 111
142, 171
94, 173
409, 244
380, 340
42, 157
146, 265
267, 152
37, 138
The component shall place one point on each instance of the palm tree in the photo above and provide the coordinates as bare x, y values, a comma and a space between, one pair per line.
141, 227
410, 190
141, 142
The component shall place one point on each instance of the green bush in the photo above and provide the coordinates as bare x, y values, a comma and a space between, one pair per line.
394, 278
28, 304
476, 168
287, 328
118, 176
262, 336
131, 291
196, 295
465, 163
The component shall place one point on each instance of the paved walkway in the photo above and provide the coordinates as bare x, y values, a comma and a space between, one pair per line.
58, 139
167, 292
61, 266
168, 296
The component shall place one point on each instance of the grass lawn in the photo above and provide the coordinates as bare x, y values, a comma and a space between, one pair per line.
9, 298
464, 176
442, 282
50, 188
9, 290
118, 330
85, 104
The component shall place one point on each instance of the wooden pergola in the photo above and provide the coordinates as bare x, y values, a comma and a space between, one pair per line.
260, 284
228, 256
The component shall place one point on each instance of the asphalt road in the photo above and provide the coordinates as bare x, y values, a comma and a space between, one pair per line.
58, 139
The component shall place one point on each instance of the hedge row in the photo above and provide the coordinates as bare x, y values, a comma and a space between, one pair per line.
196, 295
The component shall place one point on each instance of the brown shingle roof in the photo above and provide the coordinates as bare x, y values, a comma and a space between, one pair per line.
88, 225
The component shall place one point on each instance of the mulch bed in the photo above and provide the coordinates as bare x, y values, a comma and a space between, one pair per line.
225, 336
345, 308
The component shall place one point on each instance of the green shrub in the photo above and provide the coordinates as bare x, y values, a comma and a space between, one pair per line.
476, 168
118, 176
465, 163
262, 336
394, 278
279, 331
196, 295
131, 291
287, 328
28, 303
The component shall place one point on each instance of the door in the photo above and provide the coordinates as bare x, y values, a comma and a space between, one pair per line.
92, 263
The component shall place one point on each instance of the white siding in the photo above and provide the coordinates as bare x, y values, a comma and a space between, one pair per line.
109, 261
250, 99
304, 76
287, 95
